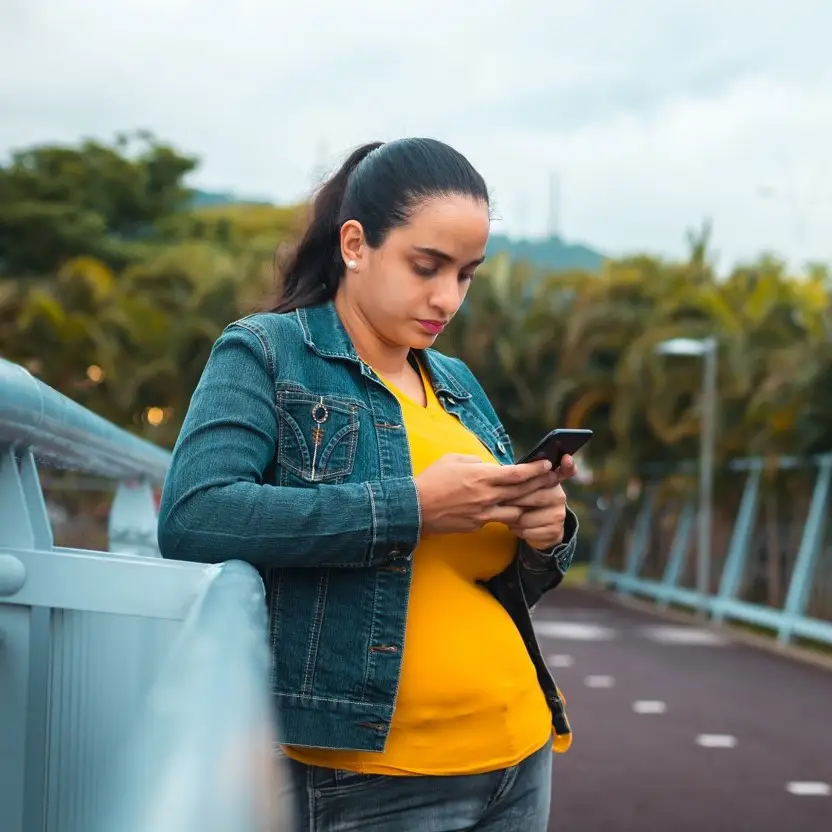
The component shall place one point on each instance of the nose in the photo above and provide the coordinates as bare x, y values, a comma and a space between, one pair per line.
446, 295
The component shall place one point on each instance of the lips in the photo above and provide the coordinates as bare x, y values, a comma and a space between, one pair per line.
433, 327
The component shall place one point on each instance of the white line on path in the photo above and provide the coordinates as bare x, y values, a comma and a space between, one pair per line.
573, 630
716, 741
809, 789
599, 681
649, 706
560, 660
691, 636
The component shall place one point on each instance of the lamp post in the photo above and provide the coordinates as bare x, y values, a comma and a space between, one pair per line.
705, 349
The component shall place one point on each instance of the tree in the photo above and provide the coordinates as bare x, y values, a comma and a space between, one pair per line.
59, 202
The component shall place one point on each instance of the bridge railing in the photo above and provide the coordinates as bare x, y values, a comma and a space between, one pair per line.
771, 550
133, 690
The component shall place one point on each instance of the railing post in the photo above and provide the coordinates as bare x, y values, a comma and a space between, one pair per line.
641, 536
603, 541
735, 562
24, 649
810, 544
678, 550
132, 527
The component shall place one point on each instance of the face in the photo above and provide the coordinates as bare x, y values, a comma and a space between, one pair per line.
410, 287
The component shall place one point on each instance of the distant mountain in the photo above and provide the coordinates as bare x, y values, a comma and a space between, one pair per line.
551, 253
210, 199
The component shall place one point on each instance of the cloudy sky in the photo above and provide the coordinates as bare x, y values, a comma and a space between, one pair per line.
652, 114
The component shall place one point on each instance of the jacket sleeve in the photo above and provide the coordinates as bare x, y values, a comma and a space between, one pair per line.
216, 506
542, 571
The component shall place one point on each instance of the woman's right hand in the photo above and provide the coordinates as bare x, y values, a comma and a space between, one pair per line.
460, 493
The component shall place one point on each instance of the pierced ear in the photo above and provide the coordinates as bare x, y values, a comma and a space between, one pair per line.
352, 244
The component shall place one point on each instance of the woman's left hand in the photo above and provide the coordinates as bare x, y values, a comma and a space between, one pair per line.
542, 523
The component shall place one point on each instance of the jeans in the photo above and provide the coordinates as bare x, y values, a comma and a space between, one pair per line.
515, 799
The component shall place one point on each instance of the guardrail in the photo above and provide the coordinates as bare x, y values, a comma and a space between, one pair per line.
203, 747
772, 561
112, 664
59, 432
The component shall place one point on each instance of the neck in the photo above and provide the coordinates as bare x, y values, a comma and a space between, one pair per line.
372, 348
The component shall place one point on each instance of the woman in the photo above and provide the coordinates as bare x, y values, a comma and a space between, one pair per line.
369, 480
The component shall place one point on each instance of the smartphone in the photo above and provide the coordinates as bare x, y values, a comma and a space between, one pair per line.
556, 443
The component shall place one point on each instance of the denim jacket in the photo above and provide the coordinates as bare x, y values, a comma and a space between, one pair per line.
330, 525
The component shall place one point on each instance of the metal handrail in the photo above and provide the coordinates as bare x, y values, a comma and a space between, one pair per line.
202, 756
64, 434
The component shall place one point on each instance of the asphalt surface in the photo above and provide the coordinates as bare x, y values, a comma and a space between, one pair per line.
767, 718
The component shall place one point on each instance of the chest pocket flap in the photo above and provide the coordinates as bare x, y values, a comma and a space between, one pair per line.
317, 435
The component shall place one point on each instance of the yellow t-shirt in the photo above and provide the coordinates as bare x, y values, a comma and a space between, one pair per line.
469, 700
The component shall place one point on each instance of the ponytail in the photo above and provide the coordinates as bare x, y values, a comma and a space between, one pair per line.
314, 270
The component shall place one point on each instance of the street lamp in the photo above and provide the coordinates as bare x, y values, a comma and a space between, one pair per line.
704, 348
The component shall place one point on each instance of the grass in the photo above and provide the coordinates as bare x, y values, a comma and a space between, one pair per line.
577, 575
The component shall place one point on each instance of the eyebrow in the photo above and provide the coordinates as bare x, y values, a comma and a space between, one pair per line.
444, 256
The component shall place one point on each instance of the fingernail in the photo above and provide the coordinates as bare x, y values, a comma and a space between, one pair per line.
547, 464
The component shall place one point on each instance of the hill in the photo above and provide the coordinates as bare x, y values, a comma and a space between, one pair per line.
549, 253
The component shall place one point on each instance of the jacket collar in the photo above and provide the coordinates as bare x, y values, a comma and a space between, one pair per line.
324, 333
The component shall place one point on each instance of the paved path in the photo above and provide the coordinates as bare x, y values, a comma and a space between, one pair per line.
679, 728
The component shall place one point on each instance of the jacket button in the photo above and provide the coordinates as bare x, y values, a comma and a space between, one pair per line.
501, 448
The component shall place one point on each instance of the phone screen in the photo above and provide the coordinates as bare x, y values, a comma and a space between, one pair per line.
557, 443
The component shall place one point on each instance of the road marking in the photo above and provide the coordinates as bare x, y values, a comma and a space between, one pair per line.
560, 660
649, 706
599, 681
579, 614
684, 635
573, 631
716, 741
809, 789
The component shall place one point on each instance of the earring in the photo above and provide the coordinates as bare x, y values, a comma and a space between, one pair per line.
351, 264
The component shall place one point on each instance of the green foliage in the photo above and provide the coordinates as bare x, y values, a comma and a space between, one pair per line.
579, 350
114, 286
60, 202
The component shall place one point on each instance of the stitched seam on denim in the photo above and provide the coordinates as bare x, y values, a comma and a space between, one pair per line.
418, 512
259, 333
348, 788
307, 700
350, 433
290, 423
368, 663
374, 537
296, 392
273, 605
553, 557
311, 802
506, 779
315, 636
300, 314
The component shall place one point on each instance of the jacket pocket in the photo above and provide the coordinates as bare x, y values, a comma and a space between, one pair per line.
317, 435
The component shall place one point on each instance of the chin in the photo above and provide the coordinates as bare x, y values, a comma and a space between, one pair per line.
422, 341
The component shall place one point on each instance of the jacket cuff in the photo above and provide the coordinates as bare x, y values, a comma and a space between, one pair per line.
396, 519
559, 556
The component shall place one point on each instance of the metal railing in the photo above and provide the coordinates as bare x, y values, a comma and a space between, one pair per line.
114, 665
770, 556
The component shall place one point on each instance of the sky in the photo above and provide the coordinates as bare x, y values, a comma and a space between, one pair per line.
650, 116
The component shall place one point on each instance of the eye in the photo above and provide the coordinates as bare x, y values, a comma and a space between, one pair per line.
423, 270
466, 276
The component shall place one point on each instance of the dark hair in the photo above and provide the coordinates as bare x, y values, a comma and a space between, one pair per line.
378, 185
